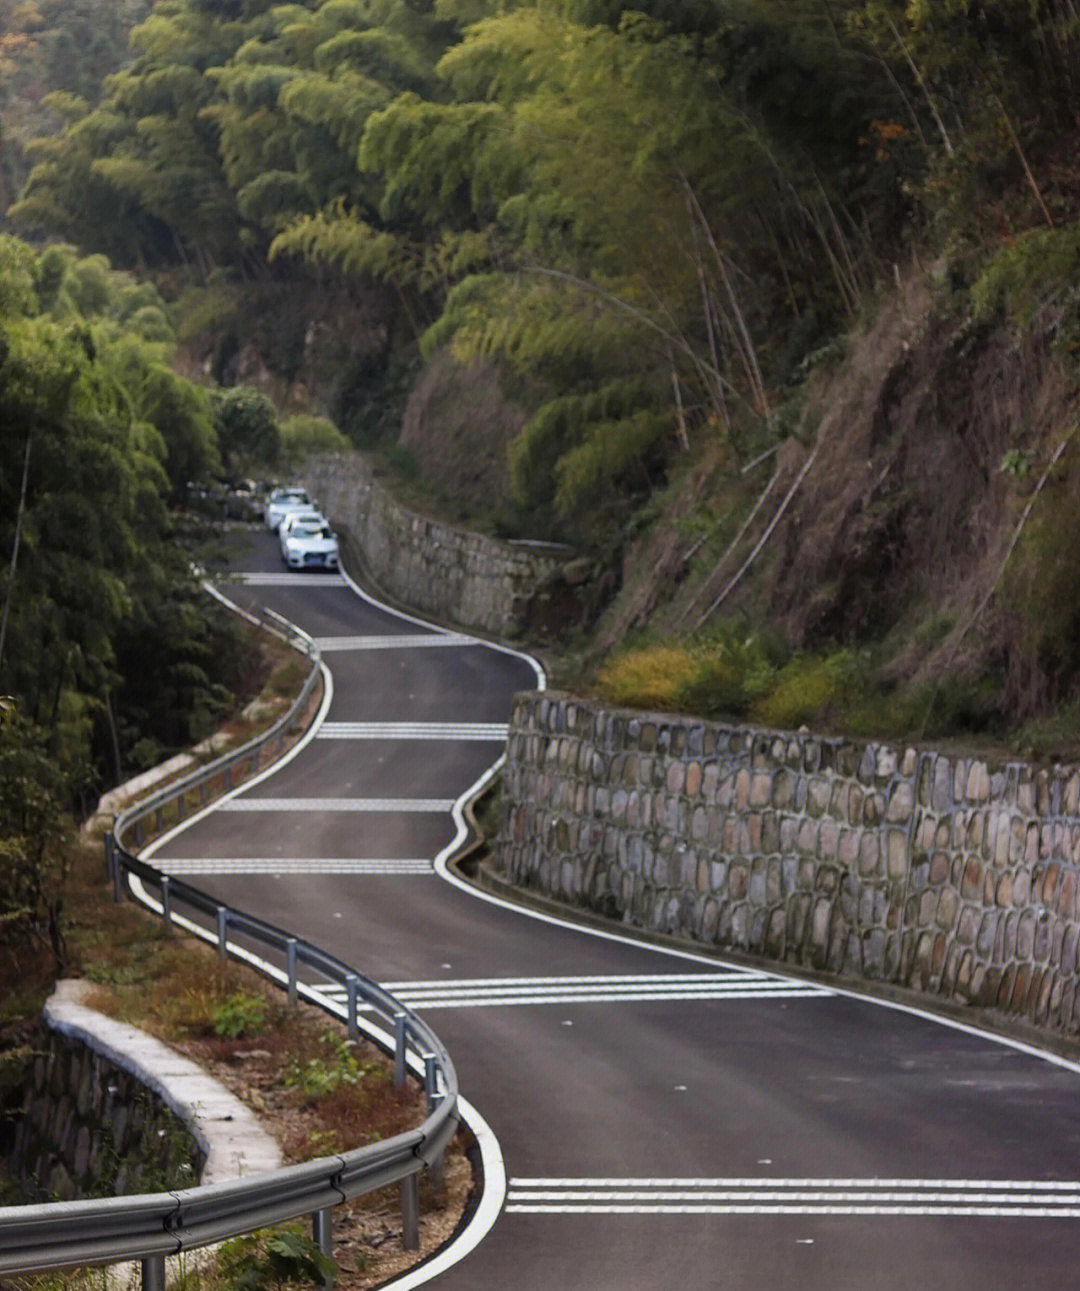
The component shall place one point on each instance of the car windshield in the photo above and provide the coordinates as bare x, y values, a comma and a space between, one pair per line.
310, 531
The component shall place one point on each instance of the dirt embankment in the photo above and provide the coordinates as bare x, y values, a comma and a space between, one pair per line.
912, 467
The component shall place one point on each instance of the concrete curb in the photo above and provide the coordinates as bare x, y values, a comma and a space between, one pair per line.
228, 1132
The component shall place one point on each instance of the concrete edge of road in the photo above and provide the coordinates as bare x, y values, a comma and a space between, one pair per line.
227, 1130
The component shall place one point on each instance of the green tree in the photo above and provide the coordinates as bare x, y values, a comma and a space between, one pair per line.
246, 423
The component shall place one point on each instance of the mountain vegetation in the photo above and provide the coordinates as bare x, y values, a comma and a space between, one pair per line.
99, 436
766, 306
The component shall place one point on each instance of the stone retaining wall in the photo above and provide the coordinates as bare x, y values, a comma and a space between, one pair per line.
91, 1129
940, 873
502, 588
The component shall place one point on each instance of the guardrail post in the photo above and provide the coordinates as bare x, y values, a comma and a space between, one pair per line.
351, 984
159, 820
434, 1098
204, 793
322, 1234
109, 844
290, 968
153, 1273
166, 900
117, 874
223, 932
410, 1212
401, 1027
431, 1082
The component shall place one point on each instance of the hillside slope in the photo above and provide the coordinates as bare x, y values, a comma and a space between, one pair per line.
919, 513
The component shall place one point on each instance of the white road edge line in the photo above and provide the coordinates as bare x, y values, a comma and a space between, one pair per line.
765, 1208
486, 1214
538, 671
517, 1183
493, 1192
417, 806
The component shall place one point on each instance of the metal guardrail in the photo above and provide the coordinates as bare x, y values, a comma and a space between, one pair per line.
152, 1227
247, 756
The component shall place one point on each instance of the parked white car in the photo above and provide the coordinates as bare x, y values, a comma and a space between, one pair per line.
293, 518
282, 501
310, 544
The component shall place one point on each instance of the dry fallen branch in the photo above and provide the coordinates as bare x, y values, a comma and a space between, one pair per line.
737, 577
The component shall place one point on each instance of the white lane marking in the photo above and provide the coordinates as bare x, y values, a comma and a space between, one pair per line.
995, 1198
719, 978
496, 992
398, 641
445, 872
538, 672
259, 579
493, 1168
339, 804
414, 731
290, 865
493, 1171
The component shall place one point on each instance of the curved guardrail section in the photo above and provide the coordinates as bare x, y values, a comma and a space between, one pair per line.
152, 1227
248, 755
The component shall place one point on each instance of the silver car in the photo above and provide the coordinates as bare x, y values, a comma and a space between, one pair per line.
282, 501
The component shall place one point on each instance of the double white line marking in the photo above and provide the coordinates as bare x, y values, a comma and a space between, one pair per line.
992, 1198
413, 641
291, 580
290, 865
493, 992
413, 731
338, 804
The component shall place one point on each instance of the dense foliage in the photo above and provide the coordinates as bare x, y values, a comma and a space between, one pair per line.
651, 215
109, 654
67, 45
651, 220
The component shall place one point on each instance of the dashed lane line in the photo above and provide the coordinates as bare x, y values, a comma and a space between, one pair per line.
504, 992
495, 731
291, 865
993, 1198
441, 805
399, 641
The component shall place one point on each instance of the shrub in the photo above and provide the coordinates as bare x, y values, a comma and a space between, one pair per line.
302, 434
649, 678
815, 690
241, 1014
280, 1257
319, 1074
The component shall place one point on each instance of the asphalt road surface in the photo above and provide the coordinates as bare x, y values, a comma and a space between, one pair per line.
666, 1122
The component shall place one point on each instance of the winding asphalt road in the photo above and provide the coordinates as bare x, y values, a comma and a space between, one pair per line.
667, 1122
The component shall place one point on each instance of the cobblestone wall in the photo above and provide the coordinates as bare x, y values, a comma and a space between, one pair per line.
941, 873
502, 588
91, 1129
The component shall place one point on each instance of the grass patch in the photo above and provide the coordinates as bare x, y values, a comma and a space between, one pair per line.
757, 680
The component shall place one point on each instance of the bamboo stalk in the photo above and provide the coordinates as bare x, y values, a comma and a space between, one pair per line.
737, 578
